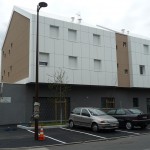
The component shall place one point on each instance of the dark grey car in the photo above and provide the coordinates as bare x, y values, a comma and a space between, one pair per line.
93, 118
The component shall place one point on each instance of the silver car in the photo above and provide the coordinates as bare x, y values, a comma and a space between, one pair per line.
93, 118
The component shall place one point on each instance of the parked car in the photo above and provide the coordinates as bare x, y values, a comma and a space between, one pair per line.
129, 118
93, 118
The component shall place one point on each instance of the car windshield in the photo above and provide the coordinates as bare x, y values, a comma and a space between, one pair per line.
96, 112
135, 111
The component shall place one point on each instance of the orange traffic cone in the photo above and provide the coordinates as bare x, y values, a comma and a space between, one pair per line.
41, 135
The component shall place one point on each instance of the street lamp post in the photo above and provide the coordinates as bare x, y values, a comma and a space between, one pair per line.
36, 104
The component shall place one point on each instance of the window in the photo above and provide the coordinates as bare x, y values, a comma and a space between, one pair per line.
85, 112
111, 112
108, 102
120, 112
135, 102
43, 59
96, 39
54, 31
146, 49
97, 65
72, 62
11, 45
124, 44
126, 71
72, 35
142, 69
77, 111
10, 68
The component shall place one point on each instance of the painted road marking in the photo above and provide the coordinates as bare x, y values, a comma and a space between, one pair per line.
50, 138
85, 133
128, 132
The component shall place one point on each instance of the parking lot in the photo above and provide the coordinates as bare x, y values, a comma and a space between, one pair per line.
15, 137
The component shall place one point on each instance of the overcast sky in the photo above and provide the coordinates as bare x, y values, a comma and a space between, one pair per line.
132, 15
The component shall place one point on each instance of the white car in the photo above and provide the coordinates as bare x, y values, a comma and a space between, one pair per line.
93, 118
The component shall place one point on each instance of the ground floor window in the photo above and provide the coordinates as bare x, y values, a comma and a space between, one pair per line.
135, 102
107, 102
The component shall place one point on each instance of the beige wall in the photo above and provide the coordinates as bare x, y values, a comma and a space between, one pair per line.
122, 60
15, 51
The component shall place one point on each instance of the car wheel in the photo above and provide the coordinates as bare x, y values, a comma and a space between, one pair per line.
71, 124
94, 127
129, 125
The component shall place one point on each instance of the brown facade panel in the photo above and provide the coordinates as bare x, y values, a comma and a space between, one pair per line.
15, 51
122, 60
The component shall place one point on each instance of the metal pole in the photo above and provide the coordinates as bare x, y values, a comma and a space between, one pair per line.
37, 73
37, 104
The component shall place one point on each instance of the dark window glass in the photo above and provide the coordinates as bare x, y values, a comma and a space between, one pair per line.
85, 112
108, 102
126, 71
43, 63
135, 102
120, 112
111, 112
124, 44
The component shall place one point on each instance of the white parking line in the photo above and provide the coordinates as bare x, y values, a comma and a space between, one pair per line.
128, 132
50, 138
85, 133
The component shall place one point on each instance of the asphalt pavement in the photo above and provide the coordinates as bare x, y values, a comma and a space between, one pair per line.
65, 138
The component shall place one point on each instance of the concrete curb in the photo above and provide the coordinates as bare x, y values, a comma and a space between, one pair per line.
44, 127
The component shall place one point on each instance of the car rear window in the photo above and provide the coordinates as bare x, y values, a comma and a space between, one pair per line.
135, 111
76, 111
96, 112
111, 112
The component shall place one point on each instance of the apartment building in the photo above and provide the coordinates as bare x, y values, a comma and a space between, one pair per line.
105, 68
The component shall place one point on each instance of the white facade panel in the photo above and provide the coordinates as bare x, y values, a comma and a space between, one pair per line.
47, 32
59, 61
52, 60
81, 46
84, 37
77, 76
85, 77
85, 49
76, 49
59, 47
49, 45
138, 58
85, 63
68, 48
41, 29
94, 77
70, 75
101, 53
41, 43
101, 78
